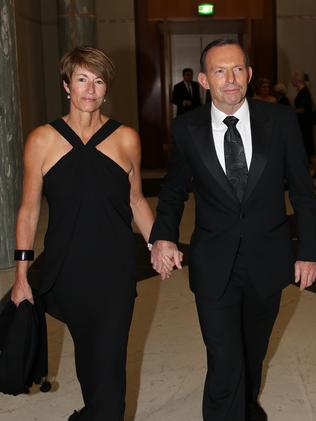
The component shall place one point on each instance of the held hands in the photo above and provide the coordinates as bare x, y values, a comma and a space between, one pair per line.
306, 273
164, 256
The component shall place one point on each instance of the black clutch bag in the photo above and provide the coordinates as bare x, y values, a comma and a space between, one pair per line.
23, 346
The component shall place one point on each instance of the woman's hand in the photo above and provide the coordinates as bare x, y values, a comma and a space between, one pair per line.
21, 291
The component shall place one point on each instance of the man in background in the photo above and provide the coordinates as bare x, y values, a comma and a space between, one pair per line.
186, 94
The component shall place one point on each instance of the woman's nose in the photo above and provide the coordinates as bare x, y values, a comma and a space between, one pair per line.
91, 87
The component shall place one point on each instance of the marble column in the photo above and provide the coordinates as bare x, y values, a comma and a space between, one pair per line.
77, 26
76, 23
10, 134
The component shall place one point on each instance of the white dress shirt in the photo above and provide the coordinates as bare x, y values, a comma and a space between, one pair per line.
189, 87
219, 129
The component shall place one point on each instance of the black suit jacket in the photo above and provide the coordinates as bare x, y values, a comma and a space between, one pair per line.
180, 93
221, 220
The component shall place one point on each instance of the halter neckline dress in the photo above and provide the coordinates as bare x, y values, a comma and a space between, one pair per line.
90, 265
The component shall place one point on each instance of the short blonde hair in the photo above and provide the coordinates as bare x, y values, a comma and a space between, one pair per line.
93, 59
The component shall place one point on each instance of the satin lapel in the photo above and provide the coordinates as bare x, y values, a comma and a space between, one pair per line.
260, 139
201, 132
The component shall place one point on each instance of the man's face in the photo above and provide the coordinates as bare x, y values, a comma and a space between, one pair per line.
188, 76
227, 77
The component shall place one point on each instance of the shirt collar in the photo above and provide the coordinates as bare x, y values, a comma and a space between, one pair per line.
218, 116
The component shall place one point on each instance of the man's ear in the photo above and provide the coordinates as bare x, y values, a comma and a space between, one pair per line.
249, 73
203, 80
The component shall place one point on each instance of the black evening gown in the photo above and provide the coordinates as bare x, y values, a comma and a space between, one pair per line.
90, 266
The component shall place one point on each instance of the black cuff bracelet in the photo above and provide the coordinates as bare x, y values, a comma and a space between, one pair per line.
23, 255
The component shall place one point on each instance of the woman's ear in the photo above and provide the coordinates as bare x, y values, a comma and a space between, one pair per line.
66, 87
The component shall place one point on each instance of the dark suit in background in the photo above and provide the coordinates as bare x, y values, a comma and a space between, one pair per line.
183, 99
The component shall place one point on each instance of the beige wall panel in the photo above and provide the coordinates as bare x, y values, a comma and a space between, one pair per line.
296, 35
116, 35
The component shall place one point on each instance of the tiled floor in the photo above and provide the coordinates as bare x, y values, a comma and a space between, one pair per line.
166, 359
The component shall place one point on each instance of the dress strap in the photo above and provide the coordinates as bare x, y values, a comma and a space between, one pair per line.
105, 131
71, 136
66, 131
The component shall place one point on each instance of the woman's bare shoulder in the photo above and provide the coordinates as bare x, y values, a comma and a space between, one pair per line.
39, 142
41, 137
128, 136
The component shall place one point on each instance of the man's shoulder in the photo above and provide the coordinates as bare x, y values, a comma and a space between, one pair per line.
179, 84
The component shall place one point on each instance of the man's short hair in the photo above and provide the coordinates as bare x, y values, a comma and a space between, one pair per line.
187, 69
219, 43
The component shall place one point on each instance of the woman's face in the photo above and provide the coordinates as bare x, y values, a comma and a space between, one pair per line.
86, 90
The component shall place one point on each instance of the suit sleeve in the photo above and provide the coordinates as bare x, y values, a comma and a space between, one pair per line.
177, 96
173, 194
301, 189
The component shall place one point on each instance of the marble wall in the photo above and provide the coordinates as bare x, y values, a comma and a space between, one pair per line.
30, 63
10, 134
115, 34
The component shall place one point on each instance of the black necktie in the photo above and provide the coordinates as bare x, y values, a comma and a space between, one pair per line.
189, 88
235, 158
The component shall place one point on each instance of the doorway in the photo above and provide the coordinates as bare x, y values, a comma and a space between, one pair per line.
186, 50
181, 47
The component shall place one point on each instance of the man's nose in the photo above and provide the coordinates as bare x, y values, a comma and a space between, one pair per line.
230, 76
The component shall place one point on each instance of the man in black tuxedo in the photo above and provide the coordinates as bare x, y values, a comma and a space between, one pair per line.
237, 153
186, 94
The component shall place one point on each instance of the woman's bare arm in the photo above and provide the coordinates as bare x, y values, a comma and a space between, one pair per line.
28, 213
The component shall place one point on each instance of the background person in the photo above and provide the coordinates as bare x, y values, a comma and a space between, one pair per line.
280, 92
186, 94
304, 106
263, 90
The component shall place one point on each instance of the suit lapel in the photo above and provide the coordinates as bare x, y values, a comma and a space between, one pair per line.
260, 138
201, 131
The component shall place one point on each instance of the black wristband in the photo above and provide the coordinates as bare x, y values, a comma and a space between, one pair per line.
22, 255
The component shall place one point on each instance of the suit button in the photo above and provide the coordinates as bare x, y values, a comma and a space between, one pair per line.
242, 215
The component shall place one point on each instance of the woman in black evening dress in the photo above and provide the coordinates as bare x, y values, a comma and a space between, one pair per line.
88, 167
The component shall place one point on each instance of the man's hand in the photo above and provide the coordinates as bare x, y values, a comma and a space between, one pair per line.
186, 103
306, 273
164, 256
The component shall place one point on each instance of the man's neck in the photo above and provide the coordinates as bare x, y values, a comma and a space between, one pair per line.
229, 109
